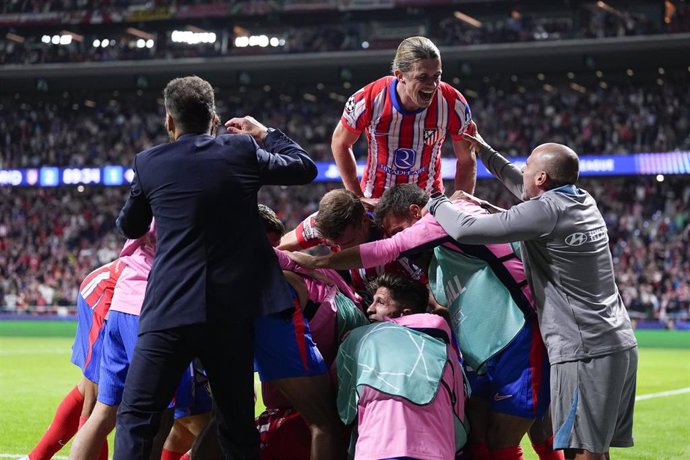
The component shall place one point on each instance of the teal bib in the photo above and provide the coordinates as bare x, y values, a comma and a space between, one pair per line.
484, 316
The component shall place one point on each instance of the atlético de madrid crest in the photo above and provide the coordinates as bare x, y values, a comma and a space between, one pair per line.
430, 136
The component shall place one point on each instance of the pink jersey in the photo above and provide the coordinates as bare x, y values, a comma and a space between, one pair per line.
404, 147
391, 426
98, 287
137, 257
426, 231
308, 236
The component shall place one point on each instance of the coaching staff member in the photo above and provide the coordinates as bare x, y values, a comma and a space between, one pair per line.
214, 269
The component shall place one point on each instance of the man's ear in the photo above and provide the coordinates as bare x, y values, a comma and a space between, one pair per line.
541, 179
398, 74
414, 211
169, 123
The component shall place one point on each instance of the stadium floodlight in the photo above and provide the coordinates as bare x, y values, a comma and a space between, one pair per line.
55, 40
365, 44
149, 43
65, 39
274, 41
141, 43
192, 38
241, 42
96, 43
104, 43
45, 39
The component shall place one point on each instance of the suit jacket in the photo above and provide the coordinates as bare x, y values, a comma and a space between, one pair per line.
213, 261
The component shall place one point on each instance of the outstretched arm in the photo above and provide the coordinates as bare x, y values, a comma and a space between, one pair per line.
525, 221
343, 260
498, 165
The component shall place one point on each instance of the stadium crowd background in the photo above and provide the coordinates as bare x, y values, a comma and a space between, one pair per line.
51, 237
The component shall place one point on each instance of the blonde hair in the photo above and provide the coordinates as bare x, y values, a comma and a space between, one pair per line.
411, 50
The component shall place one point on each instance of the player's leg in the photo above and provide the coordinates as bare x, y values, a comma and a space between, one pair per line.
61, 429
520, 381
119, 338
477, 411
592, 404
541, 437
93, 434
158, 361
287, 357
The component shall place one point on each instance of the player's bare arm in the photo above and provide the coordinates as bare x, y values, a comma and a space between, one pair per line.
466, 165
343, 260
289, 242
341, 145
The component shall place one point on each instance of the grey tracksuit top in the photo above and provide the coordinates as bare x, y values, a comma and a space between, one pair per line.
569, 267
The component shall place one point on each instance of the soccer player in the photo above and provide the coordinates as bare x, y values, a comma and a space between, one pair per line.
406, 117
492, 315
93, 303
118, 345
585, 326
400, 380
340, 223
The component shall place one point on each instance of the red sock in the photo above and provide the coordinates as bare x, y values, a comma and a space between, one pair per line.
187, 456
546, 452
62, 428
507, 453
478, 451
170, 455
104, 451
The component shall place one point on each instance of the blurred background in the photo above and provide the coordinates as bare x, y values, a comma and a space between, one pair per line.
80, 95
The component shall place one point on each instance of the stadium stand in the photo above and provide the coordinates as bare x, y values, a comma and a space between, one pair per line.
605, 78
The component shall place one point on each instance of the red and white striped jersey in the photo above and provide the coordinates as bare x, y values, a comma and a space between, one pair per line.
404, 147
98, 287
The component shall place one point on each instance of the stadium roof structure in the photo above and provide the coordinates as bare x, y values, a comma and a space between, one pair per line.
472, 61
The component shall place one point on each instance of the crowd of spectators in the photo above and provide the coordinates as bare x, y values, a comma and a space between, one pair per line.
336, 32
100, 129
51, 238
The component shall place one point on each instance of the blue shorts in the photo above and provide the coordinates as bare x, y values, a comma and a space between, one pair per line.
283, 347
118, 348
517, 379
193, 396
88, 341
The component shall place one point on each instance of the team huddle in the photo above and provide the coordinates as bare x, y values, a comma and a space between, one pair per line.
433, 327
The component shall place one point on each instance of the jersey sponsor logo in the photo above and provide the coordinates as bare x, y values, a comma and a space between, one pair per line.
431, 136
404, 158
500, 397
580, 238
576, 239
397, 172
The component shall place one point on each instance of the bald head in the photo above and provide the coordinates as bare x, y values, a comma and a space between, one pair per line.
560, 162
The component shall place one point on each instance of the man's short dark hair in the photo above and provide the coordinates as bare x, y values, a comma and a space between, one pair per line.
191, 103
396, 201
338, 209
270, 220
407, 292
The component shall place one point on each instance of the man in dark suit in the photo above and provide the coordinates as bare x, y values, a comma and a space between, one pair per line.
214, 270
